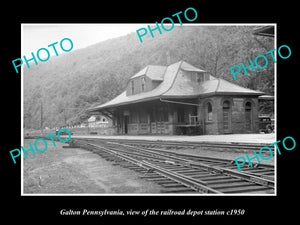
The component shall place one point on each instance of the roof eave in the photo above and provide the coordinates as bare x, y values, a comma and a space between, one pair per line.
239, 93
174, 96
125, 103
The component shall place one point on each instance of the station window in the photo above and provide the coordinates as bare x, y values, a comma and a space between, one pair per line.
143, 84
143, 116
248, 106
162, 114
209, 111
132, 87
134, 117
199, 77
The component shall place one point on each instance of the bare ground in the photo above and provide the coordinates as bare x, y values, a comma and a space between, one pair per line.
75, 171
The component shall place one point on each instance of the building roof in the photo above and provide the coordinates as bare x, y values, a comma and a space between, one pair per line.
153, 72
266, 97
214, 86
189, 67
175, 85
92, 119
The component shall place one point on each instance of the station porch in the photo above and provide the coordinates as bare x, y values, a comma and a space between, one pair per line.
157, 117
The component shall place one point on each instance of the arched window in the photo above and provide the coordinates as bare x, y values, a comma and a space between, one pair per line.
226, 105
209, 111
248, 106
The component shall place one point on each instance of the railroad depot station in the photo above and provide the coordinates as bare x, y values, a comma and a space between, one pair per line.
181, 99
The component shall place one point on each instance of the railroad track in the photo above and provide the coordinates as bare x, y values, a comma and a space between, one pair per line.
220, 146
183, 173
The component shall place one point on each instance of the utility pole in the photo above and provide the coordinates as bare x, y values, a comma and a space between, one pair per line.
65, 118
41, 117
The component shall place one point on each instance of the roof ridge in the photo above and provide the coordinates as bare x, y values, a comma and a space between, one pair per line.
147, 69
180, 63
219, 81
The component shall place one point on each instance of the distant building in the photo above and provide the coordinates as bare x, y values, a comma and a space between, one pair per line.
98, 121
182, 99
83, 125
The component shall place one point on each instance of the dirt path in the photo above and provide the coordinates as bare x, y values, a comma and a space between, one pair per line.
75, 171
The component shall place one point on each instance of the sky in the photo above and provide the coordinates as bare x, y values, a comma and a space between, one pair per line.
36, 36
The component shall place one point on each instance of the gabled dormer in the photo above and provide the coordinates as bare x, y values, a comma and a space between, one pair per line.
145, 80
195, 75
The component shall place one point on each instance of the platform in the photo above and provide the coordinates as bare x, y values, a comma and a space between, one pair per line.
228, 138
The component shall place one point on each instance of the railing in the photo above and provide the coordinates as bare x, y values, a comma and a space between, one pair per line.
193, 120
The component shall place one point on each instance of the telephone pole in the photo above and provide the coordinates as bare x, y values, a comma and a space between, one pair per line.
41, 117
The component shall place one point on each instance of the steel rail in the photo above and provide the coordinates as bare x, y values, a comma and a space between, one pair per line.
192, 183
186, 162
188, 143
194, 164
130, 142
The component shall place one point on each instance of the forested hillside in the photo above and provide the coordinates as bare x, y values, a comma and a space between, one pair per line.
72, 82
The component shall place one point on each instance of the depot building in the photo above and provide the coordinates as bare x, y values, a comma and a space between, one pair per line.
181, 99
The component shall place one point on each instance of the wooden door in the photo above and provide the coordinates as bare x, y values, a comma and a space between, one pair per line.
126, 120
248, 117
153, 121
